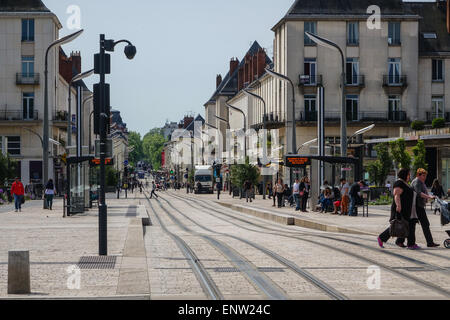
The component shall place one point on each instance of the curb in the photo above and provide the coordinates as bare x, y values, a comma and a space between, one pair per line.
292, 221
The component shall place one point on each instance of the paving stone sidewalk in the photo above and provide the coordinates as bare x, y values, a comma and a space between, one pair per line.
56, 243
376, 223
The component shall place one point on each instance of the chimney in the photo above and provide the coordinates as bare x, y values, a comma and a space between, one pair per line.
187, 121
234, 64
240, 78
218, 80
76, 61
261, 62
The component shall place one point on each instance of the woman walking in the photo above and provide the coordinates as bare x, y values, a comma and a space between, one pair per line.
304, 193
279, 189
402, 208
49, 194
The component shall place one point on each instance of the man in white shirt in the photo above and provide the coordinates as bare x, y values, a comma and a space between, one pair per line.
296, 193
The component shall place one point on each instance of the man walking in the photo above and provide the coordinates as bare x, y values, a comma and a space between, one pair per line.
18, 192
248, 189
153, 190
219, 187
422, 196
355, 191
296, 193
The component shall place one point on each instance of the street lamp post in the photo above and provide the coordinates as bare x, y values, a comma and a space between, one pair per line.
102, 67
245, 127
251, 94
46, 134
284, 78
331, 45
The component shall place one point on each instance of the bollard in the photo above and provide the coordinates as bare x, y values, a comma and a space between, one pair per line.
19, 272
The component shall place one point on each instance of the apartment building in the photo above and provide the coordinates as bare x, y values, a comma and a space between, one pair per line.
27, 28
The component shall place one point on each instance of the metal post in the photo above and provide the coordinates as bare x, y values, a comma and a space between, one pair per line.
321, 135
46, 126
343, 115
102, 208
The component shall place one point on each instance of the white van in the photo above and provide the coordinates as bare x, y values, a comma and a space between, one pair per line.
204, 179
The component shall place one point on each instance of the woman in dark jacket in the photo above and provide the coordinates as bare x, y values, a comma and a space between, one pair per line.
402, 208
438, 191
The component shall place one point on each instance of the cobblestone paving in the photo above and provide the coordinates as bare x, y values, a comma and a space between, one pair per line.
56, 244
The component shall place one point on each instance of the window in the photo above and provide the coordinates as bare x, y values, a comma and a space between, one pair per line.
311, 71
311, 27
394, 103
438, 70
352, 33
394, 33
352, 102
28, 105
28, 66
429, 35
394, 71
13, 145
352, 71
437, 107
27, 29
310, 108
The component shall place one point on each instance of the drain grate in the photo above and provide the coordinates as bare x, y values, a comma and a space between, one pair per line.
268, 269
228, 270
97, 263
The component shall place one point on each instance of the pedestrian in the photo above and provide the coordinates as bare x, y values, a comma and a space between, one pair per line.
422, 197
153, 190
345, 191
389, 186
18, 192
49, 194
140, 187
274, 194
270, 190
437, 191
296, 193
248, 189
279, 189
355, 195
219, 187
403, 207
287, 195
305, 187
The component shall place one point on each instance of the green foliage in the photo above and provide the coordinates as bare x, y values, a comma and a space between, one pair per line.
243, 172
111, 176
379, 169
438, 123
153, 145
191, 176
419, 157
418, 125
8, 168
401, 157
384, 200
135, 142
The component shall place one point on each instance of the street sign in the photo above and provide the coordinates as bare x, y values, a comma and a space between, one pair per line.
108, 162
125, 163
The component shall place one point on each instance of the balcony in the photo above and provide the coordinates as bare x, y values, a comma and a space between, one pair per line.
273, 120
434, 115
364, 116
14, 116
27, 79
310, 81
356, 82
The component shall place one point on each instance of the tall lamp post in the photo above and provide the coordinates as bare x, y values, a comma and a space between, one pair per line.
102, 64
284, 78
331, 45
245, 127
46, 134
255, 96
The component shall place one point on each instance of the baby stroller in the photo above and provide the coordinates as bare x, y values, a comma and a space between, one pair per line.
445, 219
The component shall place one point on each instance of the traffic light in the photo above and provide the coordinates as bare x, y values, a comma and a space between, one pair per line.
97, 108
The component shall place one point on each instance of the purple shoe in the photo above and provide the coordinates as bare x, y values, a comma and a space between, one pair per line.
414, 247
380, 242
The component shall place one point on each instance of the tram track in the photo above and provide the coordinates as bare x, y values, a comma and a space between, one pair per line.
424, 283
327, 289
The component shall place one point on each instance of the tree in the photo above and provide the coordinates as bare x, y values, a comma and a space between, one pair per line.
135, 142
243, 172
111, 176
379, 169
401, 157
8, 168
420, 159
153, 145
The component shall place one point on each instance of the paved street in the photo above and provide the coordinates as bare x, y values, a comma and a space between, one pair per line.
196, 248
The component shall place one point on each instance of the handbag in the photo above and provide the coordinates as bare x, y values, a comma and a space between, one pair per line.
302, 194
399, 228
22, 200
